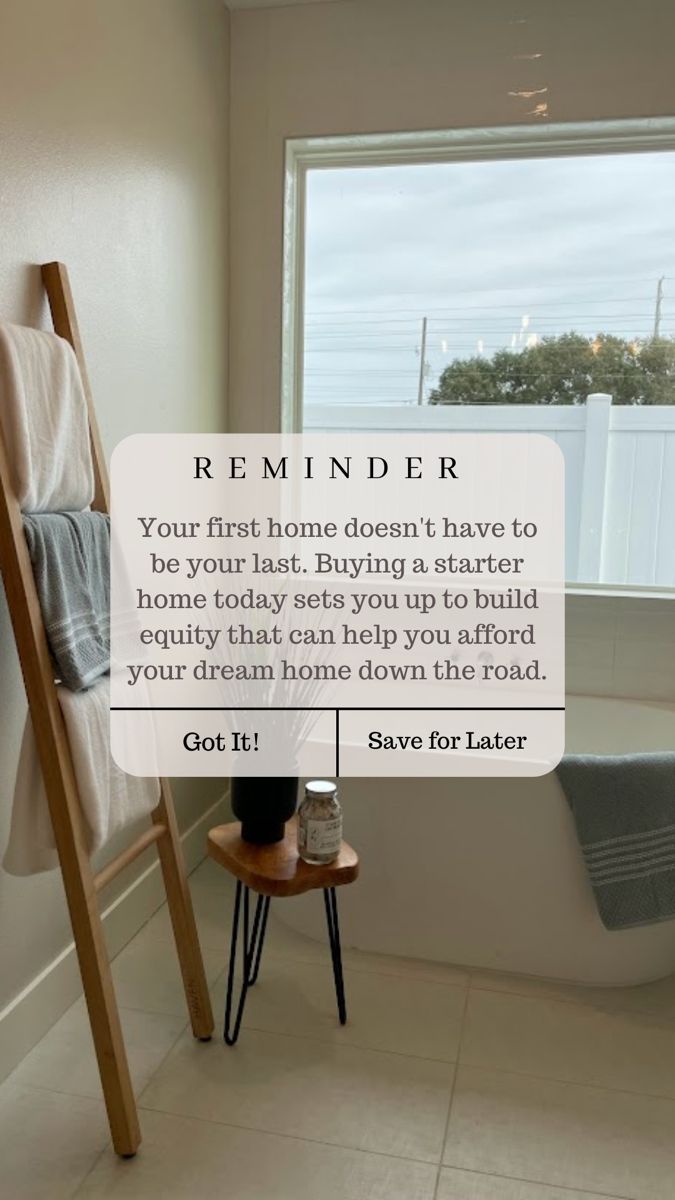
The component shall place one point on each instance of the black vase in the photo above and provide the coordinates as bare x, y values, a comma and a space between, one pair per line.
263, 805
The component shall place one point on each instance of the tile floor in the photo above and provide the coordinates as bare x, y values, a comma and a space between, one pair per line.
445, 1085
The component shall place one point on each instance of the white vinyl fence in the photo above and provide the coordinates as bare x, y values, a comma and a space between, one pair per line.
619, 472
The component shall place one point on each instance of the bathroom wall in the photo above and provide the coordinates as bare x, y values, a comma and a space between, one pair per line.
113, 123
621, 646
394, 65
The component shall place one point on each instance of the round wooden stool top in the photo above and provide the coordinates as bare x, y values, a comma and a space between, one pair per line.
278, 870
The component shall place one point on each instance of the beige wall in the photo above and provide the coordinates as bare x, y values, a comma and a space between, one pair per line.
367, 66
113, 118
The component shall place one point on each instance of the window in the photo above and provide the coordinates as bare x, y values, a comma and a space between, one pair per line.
495, 280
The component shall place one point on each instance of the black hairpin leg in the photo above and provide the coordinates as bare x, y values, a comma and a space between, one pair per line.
335, 950
253, 944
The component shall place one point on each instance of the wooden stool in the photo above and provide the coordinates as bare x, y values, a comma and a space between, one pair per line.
275, 870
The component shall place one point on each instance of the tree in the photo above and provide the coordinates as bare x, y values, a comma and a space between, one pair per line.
564, 370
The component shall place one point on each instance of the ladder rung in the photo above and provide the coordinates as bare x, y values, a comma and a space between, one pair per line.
126, 856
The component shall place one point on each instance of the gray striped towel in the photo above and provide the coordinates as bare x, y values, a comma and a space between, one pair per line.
624, 811
70, 553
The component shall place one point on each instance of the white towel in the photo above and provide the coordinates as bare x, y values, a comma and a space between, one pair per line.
110, 798
43, 414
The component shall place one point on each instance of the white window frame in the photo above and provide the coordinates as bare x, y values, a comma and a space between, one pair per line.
450, 145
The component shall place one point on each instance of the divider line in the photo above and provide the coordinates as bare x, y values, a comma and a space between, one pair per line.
344, 708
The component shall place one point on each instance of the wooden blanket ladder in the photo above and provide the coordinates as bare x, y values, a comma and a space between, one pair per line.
82, 885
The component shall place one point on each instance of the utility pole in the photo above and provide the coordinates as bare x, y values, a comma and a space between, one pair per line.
423, 363
657, 310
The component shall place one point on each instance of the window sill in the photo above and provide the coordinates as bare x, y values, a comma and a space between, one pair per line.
619, 591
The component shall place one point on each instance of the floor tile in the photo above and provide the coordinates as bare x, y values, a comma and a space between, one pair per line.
64, 1059
556, 1040
564, 1093
285, 942
147, 976
184, 1159
213, 912
213, 900
467, 1185
657, 997
401, 1014
47, 1146
208, 872
357, 1098
562, 1134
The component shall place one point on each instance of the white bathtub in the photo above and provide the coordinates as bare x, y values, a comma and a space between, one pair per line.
489, 873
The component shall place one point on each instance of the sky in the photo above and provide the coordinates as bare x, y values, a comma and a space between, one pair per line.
492, 253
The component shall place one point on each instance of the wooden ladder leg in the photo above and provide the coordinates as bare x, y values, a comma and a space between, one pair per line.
183, 918
99, 993
66, 816
88, 931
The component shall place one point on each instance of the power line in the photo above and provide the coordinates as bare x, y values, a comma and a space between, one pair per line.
527, 288
582, 370
400, 349
383, 319
362, 371
481, 329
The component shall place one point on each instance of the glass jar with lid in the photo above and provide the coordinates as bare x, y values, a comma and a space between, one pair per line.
320, 823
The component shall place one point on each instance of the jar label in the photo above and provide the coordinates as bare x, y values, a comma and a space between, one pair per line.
322, 837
